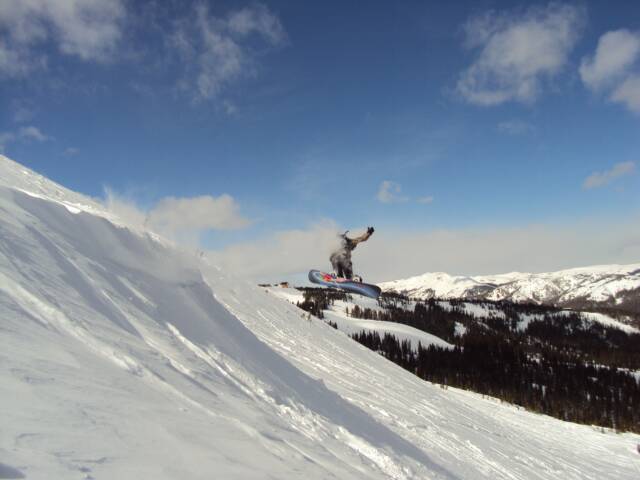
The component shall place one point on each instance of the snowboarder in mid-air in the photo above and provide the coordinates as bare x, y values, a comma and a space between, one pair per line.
343, 277
341, 258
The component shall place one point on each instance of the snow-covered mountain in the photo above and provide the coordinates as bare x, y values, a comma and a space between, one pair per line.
616, 286
125, 357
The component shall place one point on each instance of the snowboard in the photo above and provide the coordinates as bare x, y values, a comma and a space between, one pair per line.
328, 280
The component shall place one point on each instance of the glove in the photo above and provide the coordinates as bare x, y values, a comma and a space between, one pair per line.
370, 230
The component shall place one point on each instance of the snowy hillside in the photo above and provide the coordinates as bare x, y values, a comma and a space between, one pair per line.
338, 315
123, 357
608, 285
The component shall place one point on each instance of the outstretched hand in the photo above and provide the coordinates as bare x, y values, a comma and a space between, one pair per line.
370, 230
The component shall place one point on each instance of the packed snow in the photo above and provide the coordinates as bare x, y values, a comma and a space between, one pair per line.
124, 357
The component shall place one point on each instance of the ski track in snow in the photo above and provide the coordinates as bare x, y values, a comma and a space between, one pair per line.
123, 357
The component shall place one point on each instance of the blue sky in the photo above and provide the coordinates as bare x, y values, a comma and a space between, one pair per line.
414, 117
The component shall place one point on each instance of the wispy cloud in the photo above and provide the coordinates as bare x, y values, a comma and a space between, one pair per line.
215, 51
22, 111
23, 134
229, 107
257, 19
181, 219
202, 53
33, 133
515, 127
517, 52
600, 179
87, 29
390, 192
613, 68
426, 200
70, 152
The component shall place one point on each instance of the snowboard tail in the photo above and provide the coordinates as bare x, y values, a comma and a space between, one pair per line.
328, 280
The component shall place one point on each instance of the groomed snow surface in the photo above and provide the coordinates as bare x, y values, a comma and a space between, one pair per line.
126, 358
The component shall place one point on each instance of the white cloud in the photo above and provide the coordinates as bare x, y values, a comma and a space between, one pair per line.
515, 127
88, 29
600, 179
23, 134
180, 219
616, 52
16, 61
215, 51
425, 200
390, 192
257, 19
22, 112
230, 108
70, 152
628, 93
613, 68
32, 133
397, 254
517, 53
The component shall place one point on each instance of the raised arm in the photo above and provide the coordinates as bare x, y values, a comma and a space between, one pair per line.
362, 238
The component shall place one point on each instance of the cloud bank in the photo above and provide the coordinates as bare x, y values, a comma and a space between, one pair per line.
398, 254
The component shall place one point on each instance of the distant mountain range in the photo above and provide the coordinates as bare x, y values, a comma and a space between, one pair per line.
614, 287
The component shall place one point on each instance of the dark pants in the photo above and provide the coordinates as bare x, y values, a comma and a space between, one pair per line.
344, 270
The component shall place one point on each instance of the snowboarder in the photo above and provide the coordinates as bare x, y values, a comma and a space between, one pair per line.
341, 258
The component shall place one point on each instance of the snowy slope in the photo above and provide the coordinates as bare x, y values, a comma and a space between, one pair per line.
607, 284
123, 357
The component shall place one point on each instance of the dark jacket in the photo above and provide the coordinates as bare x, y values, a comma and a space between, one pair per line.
341, 258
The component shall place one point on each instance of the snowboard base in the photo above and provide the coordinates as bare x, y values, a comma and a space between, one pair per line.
328, 280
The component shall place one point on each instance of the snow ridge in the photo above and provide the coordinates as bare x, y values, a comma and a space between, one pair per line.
608, 284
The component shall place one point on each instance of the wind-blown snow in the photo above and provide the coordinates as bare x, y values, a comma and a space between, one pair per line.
123, 357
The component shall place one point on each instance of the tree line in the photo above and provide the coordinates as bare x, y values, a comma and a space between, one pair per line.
539, 357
